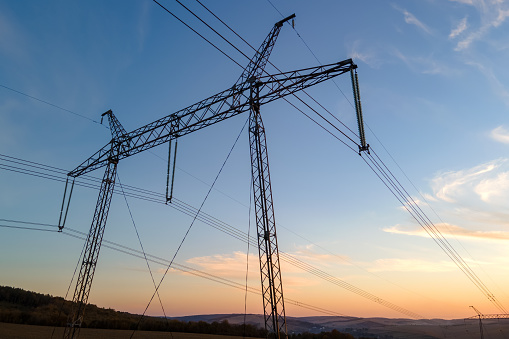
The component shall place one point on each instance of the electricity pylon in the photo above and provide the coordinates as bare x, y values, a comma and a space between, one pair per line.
249, 93
481, 316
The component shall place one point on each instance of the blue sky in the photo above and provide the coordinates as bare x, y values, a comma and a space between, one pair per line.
435, 91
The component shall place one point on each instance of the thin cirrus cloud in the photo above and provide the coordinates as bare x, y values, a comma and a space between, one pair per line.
412, 20
367, 55
492, 15
462, 26
455, 186
233, 266
424, 65
450, 230
225, 265
411, 265
475, 198
500, 134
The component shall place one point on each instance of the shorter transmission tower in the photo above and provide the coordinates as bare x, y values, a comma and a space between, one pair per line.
481, 316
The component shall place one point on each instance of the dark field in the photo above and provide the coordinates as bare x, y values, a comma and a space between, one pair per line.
15, 331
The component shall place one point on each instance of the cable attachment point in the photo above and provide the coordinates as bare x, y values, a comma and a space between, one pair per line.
364, 149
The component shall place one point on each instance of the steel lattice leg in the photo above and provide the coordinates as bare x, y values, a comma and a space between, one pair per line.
272, 286
91, 253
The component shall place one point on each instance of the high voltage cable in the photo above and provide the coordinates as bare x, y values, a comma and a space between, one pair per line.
211, 221
50, 104
415, 210
143, 251
184, 208
176, 17
422, 219
427, 203
229, 57
277, 68
192, 223
183, 268
240, 235
419, 215
431, 229
445, 245
316, 58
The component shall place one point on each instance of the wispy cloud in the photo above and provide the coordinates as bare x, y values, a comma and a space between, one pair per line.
449, 230
411, 265
225, 265
468, 2
475, 197
412, 20
498, 86
492, 189
310, 254
425, 65
233, 266
452, 185
143, 24
13, 41
462, 26
358, 51
500, 134
492, 15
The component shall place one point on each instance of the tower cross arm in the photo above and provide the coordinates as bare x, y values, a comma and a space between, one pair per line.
221, 106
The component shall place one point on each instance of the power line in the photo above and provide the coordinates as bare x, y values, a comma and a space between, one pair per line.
414, 209
176, 17
231, 44
277, 68
209, 220
395, 187
68, 231
427, 203
143, 251
50, 104
192, 223
434, 231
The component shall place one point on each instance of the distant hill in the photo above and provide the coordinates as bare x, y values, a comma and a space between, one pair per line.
383, 328
24, 307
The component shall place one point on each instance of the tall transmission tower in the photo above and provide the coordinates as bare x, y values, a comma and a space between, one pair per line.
249, 93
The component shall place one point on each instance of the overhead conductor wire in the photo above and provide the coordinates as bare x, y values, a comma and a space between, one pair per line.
68, 231
216, 48
413, 208
247, 57
221, 226
191, 225
431, 229
376, 299
185, 207
143, 251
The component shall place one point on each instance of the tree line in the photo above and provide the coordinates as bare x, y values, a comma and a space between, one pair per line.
25, 307
19, 306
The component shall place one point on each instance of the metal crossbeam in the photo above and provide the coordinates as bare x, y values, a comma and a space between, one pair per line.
219, 107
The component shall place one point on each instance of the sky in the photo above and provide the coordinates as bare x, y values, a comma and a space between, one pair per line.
435, 91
